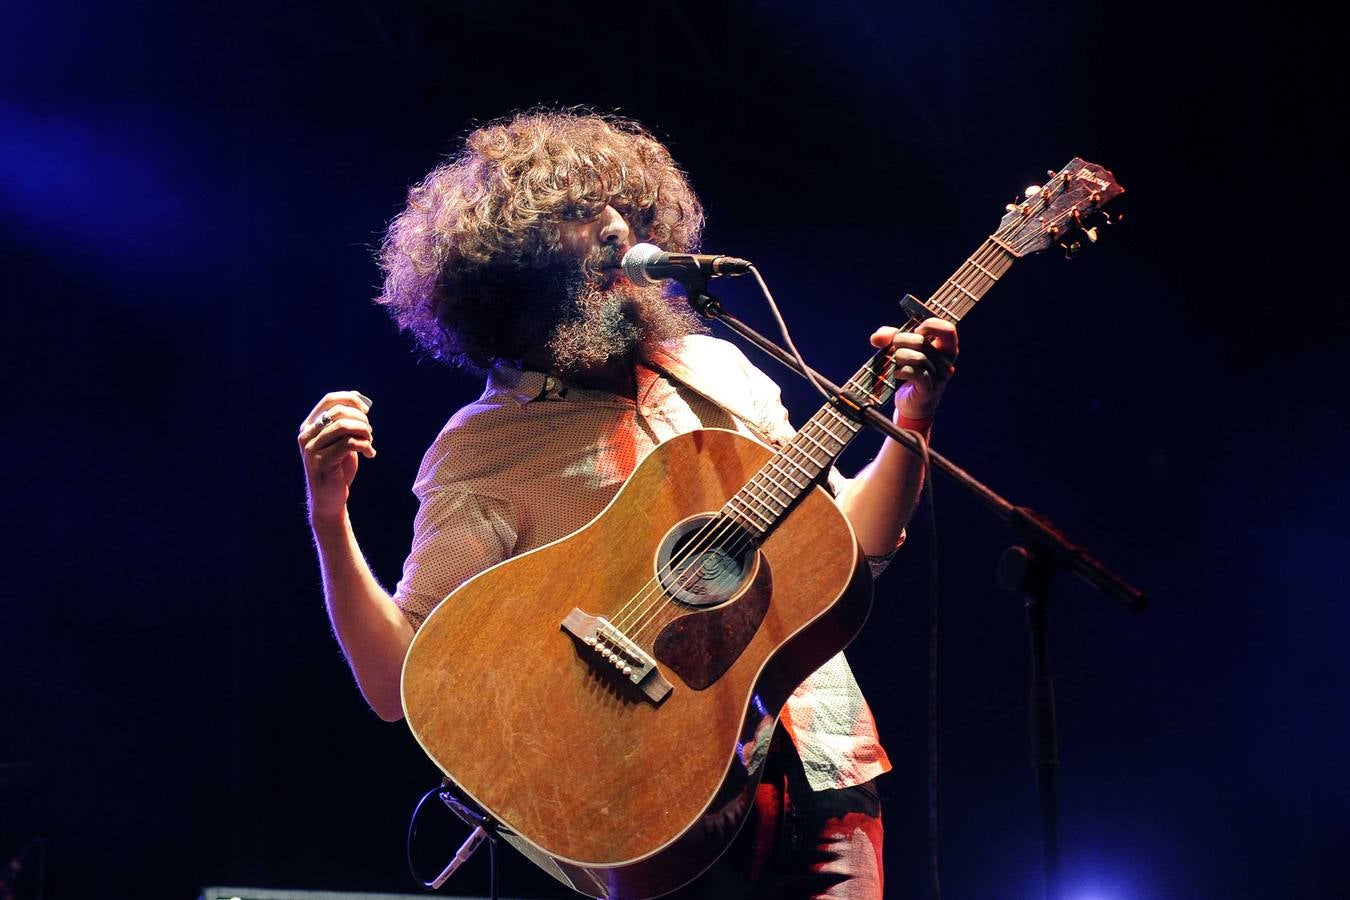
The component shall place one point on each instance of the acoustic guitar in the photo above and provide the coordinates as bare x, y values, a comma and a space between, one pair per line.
600, 698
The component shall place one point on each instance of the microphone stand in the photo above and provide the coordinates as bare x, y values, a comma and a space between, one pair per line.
1027, 567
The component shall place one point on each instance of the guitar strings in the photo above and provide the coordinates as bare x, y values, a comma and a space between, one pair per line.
991, 264
988, 256
717, 530
769, 486
991, 261
988, 260
724, 524
741, 542
725, 534
766, 490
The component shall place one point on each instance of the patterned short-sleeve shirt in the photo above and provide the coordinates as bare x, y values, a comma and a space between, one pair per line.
534, 459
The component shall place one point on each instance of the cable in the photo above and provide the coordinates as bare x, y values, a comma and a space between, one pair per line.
412, 833
933, 583
787, 338
492, 870
478, 823
934, 830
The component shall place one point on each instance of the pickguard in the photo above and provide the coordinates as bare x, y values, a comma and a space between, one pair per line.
700, 646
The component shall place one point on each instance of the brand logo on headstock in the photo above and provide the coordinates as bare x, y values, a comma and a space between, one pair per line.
1085, 174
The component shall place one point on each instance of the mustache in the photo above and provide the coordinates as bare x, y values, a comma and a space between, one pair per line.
610, 256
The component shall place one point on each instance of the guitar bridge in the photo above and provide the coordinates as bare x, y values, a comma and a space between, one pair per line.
612, 646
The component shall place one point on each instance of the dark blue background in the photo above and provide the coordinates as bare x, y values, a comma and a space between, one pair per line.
189, 199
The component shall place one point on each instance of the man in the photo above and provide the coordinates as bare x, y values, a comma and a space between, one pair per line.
505, 261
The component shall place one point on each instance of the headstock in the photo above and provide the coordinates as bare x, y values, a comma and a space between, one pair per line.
1053, 213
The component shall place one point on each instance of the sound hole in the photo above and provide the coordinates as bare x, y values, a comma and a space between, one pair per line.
704, 560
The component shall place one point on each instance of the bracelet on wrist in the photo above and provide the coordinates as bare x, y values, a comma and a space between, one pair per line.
923, 425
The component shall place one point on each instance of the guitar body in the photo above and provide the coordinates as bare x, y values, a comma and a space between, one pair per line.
613, 791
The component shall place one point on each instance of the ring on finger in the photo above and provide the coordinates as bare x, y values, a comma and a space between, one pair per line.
324, 419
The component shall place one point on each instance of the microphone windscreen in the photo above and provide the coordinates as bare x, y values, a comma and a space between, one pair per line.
635, 263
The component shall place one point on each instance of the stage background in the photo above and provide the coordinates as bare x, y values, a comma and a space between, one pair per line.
190, 195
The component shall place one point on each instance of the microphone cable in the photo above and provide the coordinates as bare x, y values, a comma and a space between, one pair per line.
933, 581
479, 824
933, 585
787, 337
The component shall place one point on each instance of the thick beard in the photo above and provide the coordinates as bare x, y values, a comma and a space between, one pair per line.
599, 325
619, 324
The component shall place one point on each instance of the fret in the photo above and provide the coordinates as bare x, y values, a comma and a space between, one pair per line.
858, 385
769, 499
731, 513
796, 447
801, 469
865, 382
879, 391
963, 290
990, 275
774, 463
766, 497
828, 452
816, 433
940, 306
749, 507
1001, 245
996, 241
813, 433
978, 279
824, 420
840, 418
840, 439
775, 488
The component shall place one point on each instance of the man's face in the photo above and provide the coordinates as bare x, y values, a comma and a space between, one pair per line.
607, 234
599, 315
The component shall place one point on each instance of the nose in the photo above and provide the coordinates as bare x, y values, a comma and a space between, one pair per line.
614, 228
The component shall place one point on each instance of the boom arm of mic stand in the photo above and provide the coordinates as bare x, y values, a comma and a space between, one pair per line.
1029, 526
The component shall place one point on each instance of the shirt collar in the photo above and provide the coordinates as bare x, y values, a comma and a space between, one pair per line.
522, 385
529, 385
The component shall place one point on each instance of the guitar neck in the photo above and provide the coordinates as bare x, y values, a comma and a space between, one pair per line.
763, 501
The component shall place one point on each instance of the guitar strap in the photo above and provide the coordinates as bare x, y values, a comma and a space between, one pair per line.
673, 367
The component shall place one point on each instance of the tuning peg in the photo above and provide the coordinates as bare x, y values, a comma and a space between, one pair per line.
1031, 190
1091, 233
1071, 250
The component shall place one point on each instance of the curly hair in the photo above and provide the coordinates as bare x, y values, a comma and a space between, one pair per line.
495, 207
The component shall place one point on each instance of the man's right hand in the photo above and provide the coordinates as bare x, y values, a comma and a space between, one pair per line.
333, 438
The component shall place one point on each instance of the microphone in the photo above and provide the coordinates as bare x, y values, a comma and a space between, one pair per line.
646, 264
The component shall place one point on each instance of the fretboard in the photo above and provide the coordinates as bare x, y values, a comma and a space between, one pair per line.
760, 505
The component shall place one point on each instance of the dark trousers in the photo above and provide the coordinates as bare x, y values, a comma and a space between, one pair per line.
799, 843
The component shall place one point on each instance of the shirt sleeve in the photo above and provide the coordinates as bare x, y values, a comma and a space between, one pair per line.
456, 535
